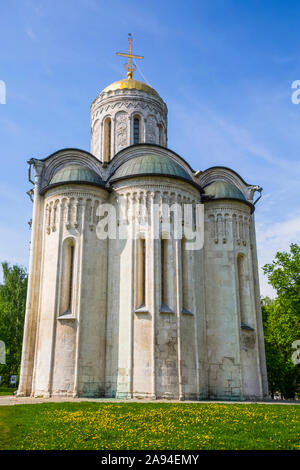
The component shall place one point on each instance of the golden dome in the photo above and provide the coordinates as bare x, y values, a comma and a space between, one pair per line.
131, 84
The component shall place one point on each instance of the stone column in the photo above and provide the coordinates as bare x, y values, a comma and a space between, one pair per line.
177, 246
153, 242
29, 335
260, 332
78, 300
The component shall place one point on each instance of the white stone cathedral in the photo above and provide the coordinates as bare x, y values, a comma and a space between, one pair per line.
143, 316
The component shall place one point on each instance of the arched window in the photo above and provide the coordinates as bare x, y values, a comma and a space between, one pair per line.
67, 276
141, 274
164, 263
184, 275
163, 271
136, 130
186, 278
243, 284
167, 279
107, 139
71, 276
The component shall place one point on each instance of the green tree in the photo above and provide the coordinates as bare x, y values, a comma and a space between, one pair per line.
281, 318
12, 312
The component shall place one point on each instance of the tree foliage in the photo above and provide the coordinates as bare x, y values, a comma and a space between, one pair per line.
281, 319
12, 313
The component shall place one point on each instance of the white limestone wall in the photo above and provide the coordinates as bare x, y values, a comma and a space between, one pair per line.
64, 347
93, 306
70, 345
121, 106
47, 307
112, 325
153, 351
192, 325
204, 340
33, 291
200, 324
233, 360
167, 336
252, 350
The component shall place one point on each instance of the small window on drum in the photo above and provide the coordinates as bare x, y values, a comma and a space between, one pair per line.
136, 130
67, 289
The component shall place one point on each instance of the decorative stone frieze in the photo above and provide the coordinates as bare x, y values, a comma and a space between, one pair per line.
229, 224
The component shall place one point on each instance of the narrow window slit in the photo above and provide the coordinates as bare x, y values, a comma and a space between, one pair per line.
107, 139
141, 291
136, 130
71, 277
165, 286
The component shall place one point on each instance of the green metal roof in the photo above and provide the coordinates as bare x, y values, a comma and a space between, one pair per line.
223, 190
76, 173
151, 164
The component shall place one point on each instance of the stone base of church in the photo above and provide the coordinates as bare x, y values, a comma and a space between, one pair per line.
118, 395
221, 398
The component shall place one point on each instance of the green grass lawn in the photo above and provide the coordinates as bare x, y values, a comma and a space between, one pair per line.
149, 426
6, 391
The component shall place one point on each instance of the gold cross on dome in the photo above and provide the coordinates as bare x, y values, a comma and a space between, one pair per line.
130, 69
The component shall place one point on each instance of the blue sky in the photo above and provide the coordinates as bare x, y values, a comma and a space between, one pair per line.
224, 68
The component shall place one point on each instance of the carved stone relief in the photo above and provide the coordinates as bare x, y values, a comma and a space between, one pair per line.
121, 131
151, 130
